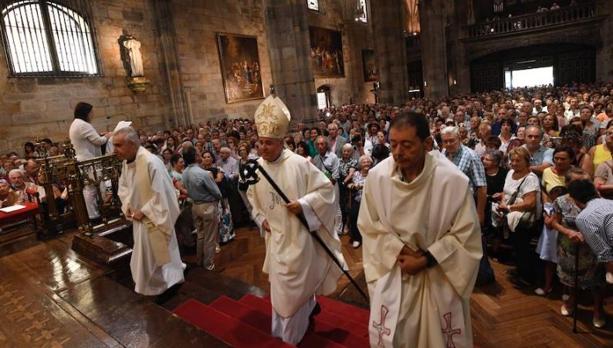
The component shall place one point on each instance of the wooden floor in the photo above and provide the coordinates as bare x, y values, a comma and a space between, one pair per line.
502, 315
51, 297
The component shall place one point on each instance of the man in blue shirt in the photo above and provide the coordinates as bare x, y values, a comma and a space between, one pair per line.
205, 194
541, 156
469, 163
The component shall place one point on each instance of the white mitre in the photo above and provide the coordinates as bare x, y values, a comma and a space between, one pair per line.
272, 118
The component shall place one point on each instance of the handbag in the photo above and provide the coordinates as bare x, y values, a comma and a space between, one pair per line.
528, 218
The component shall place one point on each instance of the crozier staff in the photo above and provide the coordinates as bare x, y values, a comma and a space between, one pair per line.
298, 268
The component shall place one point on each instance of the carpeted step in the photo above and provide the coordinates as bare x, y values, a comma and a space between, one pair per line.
356, 314
332, 314
262, 321
327, 325
224, 327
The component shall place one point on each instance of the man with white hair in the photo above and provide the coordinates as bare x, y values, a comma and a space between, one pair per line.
469, 163
227, 163
335, 140
18, 184
148, 198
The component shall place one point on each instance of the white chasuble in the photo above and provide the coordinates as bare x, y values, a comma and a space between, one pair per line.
297, 266
434, 212
145, 185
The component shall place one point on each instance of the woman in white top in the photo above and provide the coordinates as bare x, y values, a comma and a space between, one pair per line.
85, 139
87, 144
525, 186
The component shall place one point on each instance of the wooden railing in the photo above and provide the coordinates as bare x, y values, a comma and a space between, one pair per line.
533, 21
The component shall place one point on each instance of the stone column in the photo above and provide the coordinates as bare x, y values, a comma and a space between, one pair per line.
390, 52
287, 32
170, 65
457, 53
434, 48
604, 53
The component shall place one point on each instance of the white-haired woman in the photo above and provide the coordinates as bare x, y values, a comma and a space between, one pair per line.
347, 165
356, 186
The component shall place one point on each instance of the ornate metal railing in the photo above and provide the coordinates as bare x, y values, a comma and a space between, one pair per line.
533, 21
65, 172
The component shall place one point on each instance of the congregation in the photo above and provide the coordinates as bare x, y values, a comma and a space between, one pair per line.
538, 162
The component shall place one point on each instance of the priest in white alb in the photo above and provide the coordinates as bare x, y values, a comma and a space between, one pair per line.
421, 244
148, 198
298, 268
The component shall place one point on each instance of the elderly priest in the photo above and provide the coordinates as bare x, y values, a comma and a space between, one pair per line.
298, 268
148, 198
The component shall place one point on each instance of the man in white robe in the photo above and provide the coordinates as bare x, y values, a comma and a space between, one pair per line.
149, 199
421, 244
298, 268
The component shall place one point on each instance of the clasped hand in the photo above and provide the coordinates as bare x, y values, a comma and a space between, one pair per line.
135, 215
411, 262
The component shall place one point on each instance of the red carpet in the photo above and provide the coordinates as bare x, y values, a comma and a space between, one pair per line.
246, 323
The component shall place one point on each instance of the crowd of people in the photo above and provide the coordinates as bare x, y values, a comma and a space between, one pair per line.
538, 162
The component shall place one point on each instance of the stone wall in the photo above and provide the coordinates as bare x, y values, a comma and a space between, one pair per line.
197, 24
390, 51
356, 36
181, 60
43, 107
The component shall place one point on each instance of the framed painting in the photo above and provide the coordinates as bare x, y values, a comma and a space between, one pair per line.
240, 67
370, 66
326, 52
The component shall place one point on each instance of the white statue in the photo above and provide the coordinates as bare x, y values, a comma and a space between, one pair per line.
135, 58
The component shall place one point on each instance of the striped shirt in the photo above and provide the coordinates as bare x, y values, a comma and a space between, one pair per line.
596, 224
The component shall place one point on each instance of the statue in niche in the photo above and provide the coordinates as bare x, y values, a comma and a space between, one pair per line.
411, 8
131, 56
132, 61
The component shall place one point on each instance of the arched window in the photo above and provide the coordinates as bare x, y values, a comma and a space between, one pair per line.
44, 38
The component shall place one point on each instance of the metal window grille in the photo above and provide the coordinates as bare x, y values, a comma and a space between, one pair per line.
49, 38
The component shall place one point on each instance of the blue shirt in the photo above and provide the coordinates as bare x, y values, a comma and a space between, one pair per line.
470, 164
200, 186
328, 164
541, 156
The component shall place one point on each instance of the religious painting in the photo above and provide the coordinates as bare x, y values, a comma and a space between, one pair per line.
371, 73
326, 52
240, 67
